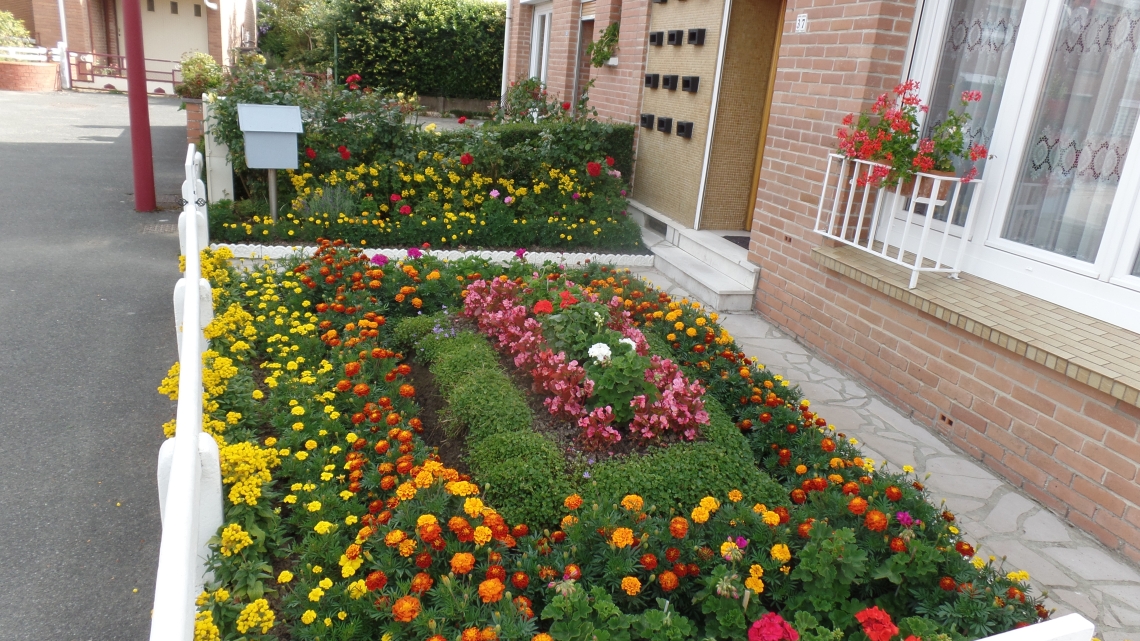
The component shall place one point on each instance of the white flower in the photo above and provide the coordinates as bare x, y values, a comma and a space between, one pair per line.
600, 352
629, 341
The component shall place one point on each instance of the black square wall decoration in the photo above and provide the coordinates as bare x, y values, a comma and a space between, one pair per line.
690, 83
656, 38
676, 37
652, 80
684, 129
647, 121
696, 36
665, 125
669, 82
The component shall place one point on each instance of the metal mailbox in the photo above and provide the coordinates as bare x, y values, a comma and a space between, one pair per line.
270, 135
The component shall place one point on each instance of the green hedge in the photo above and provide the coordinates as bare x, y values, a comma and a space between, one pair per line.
451, 48
579, 141
524, 471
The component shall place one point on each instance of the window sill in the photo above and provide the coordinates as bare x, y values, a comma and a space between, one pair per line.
1089, 351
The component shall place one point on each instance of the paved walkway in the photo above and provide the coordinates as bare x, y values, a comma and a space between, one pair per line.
1078, 573
86, 334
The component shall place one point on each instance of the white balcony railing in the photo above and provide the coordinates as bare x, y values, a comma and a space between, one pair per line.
189, 474
923, 226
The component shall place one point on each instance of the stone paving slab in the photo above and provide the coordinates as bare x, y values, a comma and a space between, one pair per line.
1076, 572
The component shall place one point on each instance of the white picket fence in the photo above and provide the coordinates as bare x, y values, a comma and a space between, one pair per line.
189, 471
29, 54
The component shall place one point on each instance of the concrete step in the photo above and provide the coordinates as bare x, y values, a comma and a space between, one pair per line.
722, 255
707, 284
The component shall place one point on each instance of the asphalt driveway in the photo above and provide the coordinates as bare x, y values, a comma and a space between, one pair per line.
86, 334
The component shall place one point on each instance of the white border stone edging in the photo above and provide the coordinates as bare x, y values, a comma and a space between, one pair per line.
241, 250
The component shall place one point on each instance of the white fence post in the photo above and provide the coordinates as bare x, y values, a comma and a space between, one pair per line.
219, 171
189, 473
64, 65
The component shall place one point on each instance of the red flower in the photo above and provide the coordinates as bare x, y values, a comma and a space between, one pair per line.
772, 627
876, 521
462, 119
466, 159
948, 584
877, 624
648, 561
351, 79
610, 161
965, 549
894, 494
310, 153
898, 545
798, 496
395, 198
594, 169
406, 210
344, 153
376, 581
543, 307
567, 300
520, 580
565, 106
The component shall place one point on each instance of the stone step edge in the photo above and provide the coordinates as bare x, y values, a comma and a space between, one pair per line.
247, 251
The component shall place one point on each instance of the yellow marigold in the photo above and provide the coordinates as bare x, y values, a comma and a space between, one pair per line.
406, 491
394, 538
473, 507
285, 576
735, 496
568, 520
408, 547
710, 504
461, 488
308, 617
234, 539
771, 518
759, 508
256, 614
325, 583
1020, 576
204, 628
801, 469
542, 636
729, 550
633, 502
781, 553
323, 527
424, 479
315, 594
313, 506
622, 537
482, 535
699, 515
754, 584
426, 519
357, 589
631, 585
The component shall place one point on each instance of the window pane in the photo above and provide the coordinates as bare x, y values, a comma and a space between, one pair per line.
1081, 130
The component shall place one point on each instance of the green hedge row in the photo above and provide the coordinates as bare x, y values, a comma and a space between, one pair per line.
527, 475
451, 48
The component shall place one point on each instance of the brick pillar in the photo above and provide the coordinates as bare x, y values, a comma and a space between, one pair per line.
563, 43
617, 90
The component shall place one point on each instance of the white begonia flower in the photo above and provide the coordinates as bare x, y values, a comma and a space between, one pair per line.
630, 342
600, 352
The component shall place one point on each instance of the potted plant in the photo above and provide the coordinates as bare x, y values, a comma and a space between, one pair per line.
889, 135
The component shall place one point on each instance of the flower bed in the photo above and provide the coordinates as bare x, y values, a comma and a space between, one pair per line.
342, 524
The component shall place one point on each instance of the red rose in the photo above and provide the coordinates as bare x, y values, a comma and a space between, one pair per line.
610, 161
462, 119
310, 153
406, 210
466, 159
594, 169
565, 106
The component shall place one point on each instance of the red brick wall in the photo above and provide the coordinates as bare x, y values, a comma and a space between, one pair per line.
617, 90
193, 120
1070, 446
29, 76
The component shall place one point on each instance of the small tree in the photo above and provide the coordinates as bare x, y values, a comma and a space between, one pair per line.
13, 33
200, 74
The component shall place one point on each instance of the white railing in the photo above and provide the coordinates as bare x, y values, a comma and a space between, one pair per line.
29, 54
189, 473
902, 224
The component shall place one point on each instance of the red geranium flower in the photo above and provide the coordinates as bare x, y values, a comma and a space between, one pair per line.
877, 624
543, 307
462, 119
344, 153
310, 153
610, 161
466, 159
406, 210
565, 106
772, 627
594, 169
395, 198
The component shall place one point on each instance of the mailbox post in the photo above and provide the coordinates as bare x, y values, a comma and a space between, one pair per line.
270, 133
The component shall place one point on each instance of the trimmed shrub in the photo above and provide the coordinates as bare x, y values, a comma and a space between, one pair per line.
451, 48
523, 475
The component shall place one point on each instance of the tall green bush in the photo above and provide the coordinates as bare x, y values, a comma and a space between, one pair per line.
13, 33
451, 48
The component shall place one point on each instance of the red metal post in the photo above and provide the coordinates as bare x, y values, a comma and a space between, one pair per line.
142, 156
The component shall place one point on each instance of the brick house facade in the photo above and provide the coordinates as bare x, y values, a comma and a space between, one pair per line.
1030, 360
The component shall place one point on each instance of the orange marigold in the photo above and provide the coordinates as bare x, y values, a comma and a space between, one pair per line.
491, 590
573, 502
633, 503
875, 521
678, 527
406, 608
631, 585
462, 562
668, 581
857, 505
622, 537
422, 582
542, 636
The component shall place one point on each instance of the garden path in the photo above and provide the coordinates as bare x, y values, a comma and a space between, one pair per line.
1078, 572
86, 335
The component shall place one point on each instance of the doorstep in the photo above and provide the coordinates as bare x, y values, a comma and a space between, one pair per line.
714, 270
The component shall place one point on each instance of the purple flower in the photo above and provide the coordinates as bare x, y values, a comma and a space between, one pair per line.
509, 200
904, 519
494, 193
623, 192
741, 542
520, 252
380, 259
576, 195
414, 253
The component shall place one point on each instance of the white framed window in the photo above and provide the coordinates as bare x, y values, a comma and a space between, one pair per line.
1057, 212
540, 39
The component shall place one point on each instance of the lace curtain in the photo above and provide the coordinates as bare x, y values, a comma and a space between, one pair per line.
976, 54
1082, 127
